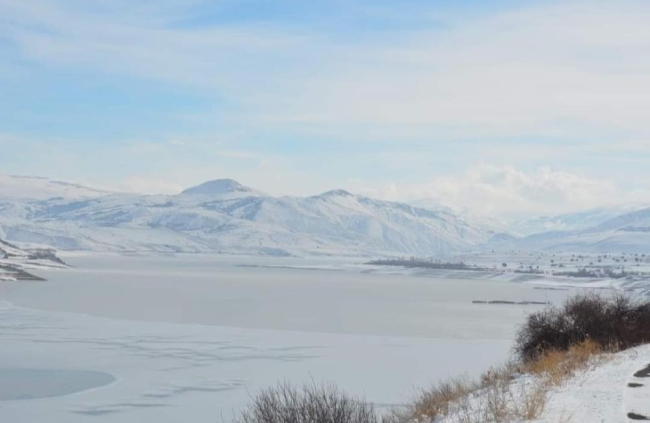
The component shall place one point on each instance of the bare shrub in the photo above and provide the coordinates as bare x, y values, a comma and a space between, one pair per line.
310, 404
554, 345
514, 391
618, 322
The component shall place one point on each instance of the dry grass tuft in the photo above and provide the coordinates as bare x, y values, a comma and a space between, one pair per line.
512, 392
555, 367
553, 346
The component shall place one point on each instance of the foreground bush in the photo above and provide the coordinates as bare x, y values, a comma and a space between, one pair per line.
613, 323
554, 346
311, 404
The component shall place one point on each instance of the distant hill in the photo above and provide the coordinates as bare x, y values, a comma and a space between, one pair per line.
627, 232
225, 216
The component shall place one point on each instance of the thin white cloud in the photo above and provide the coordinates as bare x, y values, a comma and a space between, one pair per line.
559, 69
578, 72
506, 190
533, 70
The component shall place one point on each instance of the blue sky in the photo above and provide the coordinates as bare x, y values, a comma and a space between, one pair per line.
504, 107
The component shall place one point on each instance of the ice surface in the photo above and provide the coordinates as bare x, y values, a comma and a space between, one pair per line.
192, 338
23, 384
318, 296
169, 372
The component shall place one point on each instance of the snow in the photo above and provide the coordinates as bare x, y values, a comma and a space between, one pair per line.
14, 259
593, 231
570, 222
38, 188
222, 188
224, 216
602, 393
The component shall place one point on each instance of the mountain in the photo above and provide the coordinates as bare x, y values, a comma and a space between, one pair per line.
225, 216
37, 188
486, 223
222, 188
627, 232
571, 221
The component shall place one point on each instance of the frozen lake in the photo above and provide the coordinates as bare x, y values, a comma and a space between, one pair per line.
194, 337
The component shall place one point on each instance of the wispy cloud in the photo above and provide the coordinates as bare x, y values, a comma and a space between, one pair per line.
507, 93
560, 69
506, 190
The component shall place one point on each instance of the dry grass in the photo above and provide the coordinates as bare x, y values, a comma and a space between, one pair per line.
555, 367
512, 392
554, 345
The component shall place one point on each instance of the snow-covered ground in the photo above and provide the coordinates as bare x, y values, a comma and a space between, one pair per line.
603, 394
16, 263
545, 269
192, 338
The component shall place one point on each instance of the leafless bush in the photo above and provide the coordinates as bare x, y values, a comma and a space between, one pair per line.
617, 322
310, 404
554, 345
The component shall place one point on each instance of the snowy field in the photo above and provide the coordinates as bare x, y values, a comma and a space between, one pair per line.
191, 338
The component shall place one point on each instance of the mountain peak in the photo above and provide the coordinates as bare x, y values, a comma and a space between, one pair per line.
337, 193
219, 187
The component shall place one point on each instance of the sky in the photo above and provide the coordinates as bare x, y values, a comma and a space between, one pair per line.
503, 107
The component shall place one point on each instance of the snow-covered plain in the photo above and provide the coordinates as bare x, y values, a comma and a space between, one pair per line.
192, 338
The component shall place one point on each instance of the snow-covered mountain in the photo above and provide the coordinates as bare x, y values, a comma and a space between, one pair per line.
627, 232
222, 189
498, 229
38, 188
572, 221
225, 216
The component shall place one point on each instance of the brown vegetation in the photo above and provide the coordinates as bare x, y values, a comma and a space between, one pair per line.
614, 323
553, 346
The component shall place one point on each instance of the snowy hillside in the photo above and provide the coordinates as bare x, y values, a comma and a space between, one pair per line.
37, 188
486, 223
15, 261
225, 216
629, 232
571, 221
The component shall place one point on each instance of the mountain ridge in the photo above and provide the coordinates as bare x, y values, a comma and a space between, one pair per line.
225, 216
